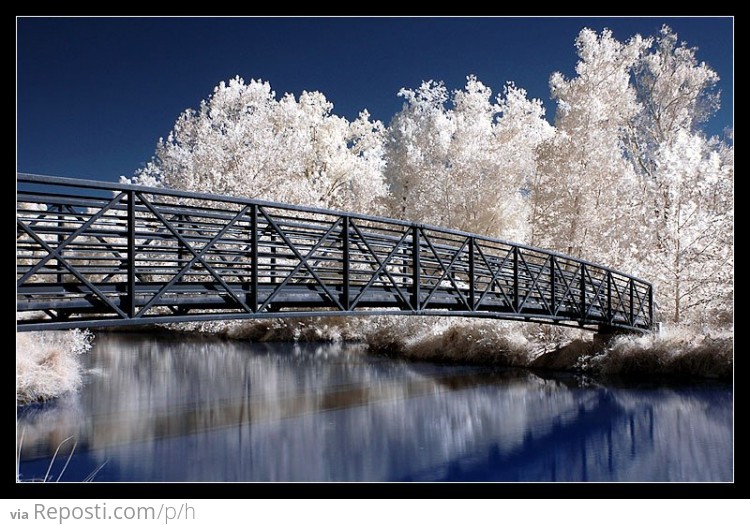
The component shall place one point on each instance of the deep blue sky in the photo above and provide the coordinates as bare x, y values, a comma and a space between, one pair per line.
94, 95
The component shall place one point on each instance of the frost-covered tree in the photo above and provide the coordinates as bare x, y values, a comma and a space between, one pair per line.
690, 251
580, 194
676, 93
630, 180
462, 161
626, 177
243, 141
685, 182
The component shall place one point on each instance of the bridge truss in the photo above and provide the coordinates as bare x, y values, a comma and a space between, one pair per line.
92, 254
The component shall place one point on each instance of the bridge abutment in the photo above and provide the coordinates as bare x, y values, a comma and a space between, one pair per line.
604, 335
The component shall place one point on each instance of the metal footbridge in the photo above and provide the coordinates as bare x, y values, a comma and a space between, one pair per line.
93, 254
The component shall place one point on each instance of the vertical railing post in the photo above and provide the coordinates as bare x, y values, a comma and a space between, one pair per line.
181, 251
552, 284
60, 239
632, 300
345, 241
415, 269
650, 306
609, 296
472, 297
130, 263
273, 259
583, 291
404, 265
254, 258
515, 280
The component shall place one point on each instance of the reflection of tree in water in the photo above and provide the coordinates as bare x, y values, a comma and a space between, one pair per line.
590, 443
167, 409
621, 435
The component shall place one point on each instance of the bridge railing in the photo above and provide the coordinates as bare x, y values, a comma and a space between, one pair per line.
98, 254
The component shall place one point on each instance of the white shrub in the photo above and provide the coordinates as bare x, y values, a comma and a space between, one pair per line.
47, 363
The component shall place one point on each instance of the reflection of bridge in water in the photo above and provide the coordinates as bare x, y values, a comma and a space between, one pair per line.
95, 254
160, 414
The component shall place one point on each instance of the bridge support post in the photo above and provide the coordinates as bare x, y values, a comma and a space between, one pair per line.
515, 279
254, 258
130, 306
651, 307
272, 271
345, 249
631, 294
472, 293
552, 291
583, 294
415, 270
60, 239
182, 253
609, 296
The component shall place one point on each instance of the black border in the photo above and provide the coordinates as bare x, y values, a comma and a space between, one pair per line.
202, 491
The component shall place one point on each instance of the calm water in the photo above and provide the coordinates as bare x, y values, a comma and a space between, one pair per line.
165, 409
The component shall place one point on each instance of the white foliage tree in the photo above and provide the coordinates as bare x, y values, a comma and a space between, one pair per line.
676, 94
243, 141
580, 195
630, 180
686, 183
626, 177
691, 253
463, 161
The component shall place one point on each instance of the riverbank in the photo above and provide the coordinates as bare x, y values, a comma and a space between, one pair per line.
676, 351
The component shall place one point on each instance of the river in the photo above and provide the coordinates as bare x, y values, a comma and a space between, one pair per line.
156, 407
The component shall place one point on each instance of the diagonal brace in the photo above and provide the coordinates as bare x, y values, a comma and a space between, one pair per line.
55, 252
196, 258
75, 272
303, 261
568, 287
187, 245
381, 266
446, 271
494, 277
534, 283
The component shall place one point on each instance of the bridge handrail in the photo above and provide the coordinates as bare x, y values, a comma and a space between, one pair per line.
119, 187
